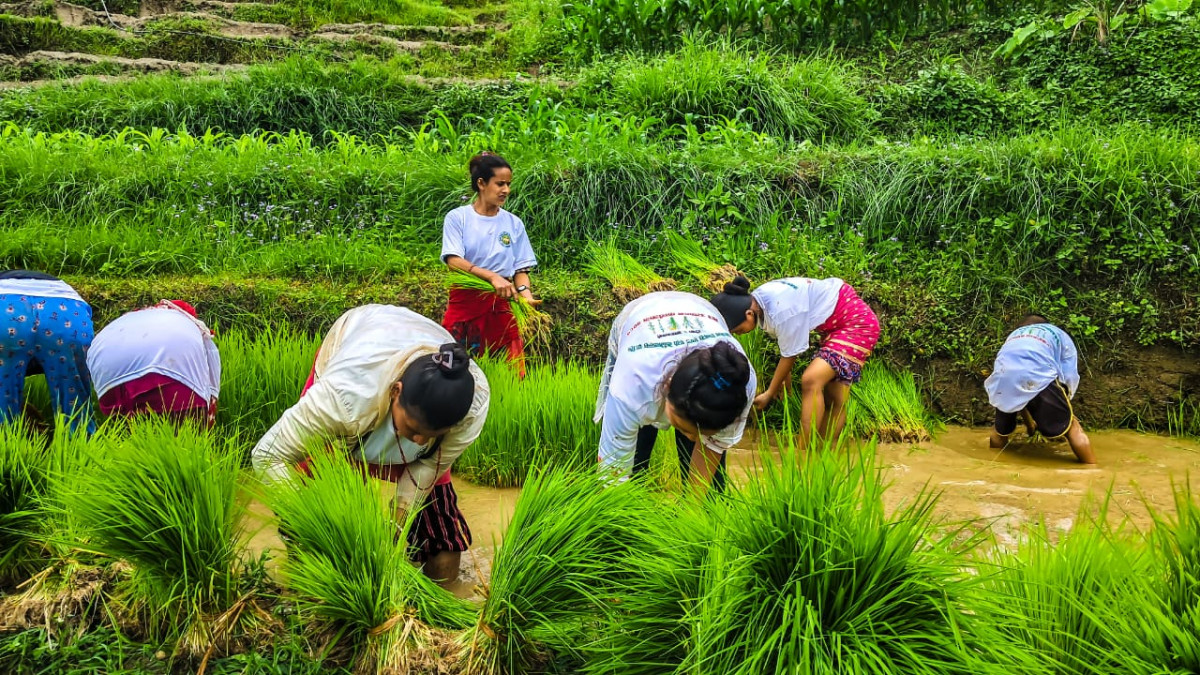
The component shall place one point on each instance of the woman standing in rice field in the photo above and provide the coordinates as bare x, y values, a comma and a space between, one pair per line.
157, 360
46, 328
484, 240
788, 310
407, 400
673, 363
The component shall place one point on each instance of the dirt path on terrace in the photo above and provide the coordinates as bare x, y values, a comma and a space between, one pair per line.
1025, 482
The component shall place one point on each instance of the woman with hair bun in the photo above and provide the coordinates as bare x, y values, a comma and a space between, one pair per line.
407, 400
673, 363
788, 310
484, 240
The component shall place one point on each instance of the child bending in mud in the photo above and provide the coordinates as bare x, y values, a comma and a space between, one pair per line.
1035, 375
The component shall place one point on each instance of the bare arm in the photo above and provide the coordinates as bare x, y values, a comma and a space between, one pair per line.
522, 279
781, 380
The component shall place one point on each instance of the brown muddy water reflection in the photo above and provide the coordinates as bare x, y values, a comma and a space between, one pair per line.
1024, 483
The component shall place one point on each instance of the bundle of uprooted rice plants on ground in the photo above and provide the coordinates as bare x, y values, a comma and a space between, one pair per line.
23, 477
887, 404
558, 569
163, 500
261, 377
800, 571
347, 564
533, 323
629, 278
689, 257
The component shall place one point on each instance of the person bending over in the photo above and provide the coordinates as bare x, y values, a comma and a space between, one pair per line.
1035, 376
407, 400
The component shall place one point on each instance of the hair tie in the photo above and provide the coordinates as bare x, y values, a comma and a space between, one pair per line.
444, 359
719, 382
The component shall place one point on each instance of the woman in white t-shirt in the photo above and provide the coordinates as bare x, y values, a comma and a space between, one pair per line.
673, 363
788, 310
158, 360
407, 401
488, 242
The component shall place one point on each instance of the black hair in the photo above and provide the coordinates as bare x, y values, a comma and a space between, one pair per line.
709, 386
439, 388
734, 301
1031, 319
483, 166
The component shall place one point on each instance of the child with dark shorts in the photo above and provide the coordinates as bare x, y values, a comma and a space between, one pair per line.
1035, 376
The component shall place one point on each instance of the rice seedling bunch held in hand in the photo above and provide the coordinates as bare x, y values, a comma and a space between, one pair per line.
164, 500
532, 323
790, 309
558, 569
159, 360
690, 258
393, 387
628, 278
1035, 377
347, 563
540, 421
672, 363
484, 241
49, 332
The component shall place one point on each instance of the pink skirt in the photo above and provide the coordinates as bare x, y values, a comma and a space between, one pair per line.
852, 330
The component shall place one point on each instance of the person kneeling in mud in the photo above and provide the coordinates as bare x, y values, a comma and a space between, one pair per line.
1035, 375
407, 400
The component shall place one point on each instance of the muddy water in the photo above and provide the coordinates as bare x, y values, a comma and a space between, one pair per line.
1028, 481
487, 512
1009, 489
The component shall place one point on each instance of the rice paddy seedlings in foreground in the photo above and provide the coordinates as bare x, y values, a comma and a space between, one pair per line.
164, 501
261, 377
347, 563
558, 569
628, 277
23, 476
689, 257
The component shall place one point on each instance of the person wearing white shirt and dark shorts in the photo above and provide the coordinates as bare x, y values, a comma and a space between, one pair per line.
1035, 376
407, 400
673, 363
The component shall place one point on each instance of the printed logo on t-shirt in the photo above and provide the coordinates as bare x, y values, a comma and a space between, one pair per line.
505, 239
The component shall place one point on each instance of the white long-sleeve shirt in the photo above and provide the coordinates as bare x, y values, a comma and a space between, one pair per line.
364, 354
159, 340
1031, 359
647, 341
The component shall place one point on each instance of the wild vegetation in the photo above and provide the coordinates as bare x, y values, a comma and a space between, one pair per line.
960, 162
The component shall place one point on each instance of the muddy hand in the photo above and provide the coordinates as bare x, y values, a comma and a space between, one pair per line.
762, 401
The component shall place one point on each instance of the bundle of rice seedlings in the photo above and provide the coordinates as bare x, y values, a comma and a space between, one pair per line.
347, 564
23, 467
887, 405
1174, 644
164, 501
1073, 606
629, 278
690, 258
558, 570
533, 323
800, 571
261, 377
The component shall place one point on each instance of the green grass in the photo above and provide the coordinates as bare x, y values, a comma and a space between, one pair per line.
261, 377
628, 277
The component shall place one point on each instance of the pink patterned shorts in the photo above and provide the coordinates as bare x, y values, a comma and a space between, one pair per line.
850, 333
